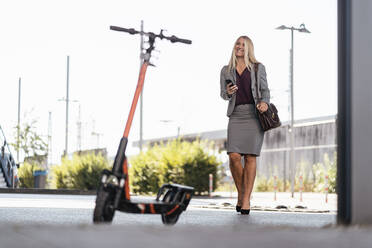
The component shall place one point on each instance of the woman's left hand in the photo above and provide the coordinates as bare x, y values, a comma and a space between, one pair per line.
262, 107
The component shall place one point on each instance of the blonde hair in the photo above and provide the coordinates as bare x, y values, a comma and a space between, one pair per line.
249, 57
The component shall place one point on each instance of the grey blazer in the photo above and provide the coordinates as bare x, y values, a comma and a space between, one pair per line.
262, 82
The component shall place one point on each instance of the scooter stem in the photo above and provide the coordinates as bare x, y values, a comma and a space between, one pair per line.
141, 79
120, 159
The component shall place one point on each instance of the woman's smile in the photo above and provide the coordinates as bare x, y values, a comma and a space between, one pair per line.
239, 48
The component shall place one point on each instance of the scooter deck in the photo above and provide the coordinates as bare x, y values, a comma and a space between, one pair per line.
181, 196
150, 207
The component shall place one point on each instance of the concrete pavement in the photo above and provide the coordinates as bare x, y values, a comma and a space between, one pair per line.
197, 227
183, 236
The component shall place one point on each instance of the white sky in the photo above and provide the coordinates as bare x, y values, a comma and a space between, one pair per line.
36, 36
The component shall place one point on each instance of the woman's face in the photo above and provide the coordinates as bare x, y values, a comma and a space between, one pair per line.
239, 48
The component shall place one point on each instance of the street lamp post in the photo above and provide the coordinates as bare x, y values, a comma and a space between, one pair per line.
301, 29
67, 100
19, 119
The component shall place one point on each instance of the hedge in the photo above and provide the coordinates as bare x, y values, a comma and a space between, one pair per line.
177, 161
81, 172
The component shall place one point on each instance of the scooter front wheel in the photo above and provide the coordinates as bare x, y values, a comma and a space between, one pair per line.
104, 210
170, 219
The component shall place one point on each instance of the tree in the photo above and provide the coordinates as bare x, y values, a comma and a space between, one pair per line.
29, 142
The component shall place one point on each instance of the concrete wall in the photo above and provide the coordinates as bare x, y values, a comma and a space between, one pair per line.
313, 140
361, 111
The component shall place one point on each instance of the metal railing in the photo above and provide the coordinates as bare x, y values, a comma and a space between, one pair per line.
7, 164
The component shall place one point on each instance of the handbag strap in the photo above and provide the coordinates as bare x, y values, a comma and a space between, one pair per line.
257, 85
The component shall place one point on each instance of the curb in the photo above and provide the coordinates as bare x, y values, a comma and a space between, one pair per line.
48, 191
77, 192
271, 209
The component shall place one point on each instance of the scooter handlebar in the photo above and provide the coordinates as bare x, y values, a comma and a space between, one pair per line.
172, 38
127, 30
176, 39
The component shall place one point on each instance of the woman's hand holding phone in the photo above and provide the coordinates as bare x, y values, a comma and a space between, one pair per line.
231, 88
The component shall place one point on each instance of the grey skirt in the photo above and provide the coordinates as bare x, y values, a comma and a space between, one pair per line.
244, 133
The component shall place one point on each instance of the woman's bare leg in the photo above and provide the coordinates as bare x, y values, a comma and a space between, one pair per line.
236, 169
249, 175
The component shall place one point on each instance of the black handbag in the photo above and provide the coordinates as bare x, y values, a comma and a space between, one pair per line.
270, 118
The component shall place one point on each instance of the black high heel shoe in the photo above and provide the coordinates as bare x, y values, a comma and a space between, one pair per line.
244, 211
238, 208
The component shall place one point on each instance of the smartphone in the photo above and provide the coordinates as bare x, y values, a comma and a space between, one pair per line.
228, 81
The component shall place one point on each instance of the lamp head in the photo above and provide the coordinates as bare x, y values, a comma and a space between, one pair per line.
303, 29
282, 27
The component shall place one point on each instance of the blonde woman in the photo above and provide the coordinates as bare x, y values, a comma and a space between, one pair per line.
244, 133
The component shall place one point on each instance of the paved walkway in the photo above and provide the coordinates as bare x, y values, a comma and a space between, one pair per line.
229, 234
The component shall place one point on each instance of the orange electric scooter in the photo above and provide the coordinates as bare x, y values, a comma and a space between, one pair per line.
113, 192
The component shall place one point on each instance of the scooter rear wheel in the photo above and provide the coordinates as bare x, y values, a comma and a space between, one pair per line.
172, 218
104, 210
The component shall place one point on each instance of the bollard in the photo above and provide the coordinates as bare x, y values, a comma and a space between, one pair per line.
13, 177
210, 184
301, 187
40, 179
326, 188
275, 187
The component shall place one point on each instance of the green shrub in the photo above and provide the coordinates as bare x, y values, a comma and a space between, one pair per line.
326, 168
177, 161
26, 174
310, 179
61, 178
82, 172
313, 180
226, 187
332, 174
197, 170
263, 184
